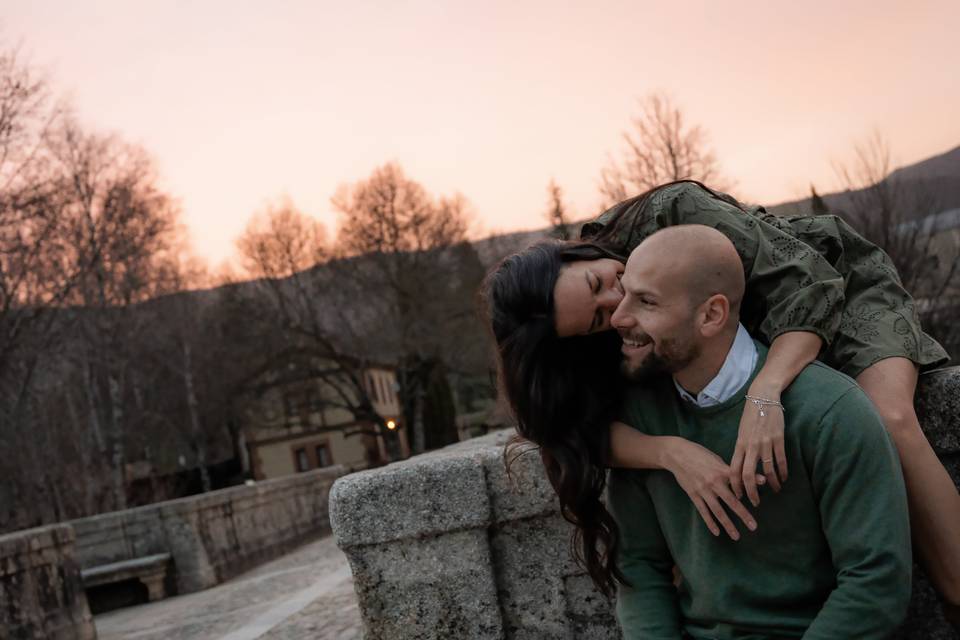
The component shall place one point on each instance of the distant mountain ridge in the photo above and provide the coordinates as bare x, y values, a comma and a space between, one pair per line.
939, 175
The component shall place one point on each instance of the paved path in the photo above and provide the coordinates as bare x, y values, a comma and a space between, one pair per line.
307, 593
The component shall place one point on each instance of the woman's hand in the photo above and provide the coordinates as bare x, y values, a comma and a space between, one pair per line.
760, 439
706, 479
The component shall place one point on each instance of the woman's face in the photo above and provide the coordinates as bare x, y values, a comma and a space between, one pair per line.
585, 296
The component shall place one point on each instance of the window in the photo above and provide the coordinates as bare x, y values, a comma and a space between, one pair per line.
303, 462
383, 390
323, 456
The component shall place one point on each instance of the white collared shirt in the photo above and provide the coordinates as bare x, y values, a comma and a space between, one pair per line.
736, 370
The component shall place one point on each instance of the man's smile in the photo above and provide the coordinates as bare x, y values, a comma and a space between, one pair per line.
634, 344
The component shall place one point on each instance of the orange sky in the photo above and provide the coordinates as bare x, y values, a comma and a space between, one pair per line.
242, 102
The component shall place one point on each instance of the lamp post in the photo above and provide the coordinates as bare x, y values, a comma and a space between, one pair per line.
391, 440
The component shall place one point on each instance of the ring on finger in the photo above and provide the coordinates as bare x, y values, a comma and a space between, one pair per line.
766, 460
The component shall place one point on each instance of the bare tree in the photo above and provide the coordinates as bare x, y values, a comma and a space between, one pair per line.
35, 272
281, 241
86, 235
287, 252
557, 212
896, 215
407, 238
900, 216
659, 148
124, 229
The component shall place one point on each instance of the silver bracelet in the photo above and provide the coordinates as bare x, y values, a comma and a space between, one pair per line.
764, 402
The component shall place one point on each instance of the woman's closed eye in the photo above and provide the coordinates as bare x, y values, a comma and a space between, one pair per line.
597, 284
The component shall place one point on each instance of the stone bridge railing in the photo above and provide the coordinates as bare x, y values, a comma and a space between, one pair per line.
211, 537
41, 596
444, 546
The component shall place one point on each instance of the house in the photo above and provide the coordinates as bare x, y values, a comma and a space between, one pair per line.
296, 423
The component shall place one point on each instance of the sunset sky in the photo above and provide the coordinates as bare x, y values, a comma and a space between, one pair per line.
244, 102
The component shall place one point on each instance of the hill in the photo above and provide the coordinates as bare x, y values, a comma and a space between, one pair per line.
938, 176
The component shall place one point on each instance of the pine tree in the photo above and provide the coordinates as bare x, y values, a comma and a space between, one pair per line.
817, 205
557, 213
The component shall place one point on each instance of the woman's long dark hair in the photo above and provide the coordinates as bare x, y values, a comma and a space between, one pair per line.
564, 393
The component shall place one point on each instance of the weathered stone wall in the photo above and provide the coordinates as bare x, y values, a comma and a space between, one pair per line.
210, 537
443, 546
938, 406
41, 597
213, 536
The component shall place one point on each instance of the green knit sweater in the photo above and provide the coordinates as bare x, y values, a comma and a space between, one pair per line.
831, 555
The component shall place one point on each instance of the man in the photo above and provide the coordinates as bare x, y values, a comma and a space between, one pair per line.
830, 557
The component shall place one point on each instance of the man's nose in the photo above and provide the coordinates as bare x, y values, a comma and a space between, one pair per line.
620, 318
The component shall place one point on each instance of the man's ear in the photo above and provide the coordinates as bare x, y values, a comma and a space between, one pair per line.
715, 312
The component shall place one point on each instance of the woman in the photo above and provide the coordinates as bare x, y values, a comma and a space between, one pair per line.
814, 287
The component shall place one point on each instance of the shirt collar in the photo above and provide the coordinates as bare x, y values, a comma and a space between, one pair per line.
736, 370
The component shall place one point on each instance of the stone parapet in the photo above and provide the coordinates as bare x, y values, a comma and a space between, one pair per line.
444, 545
213, 536
210, 538
41, 597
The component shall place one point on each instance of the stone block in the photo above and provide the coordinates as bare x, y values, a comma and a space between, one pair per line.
925, 619
938, 407
523, 493
416, 498
530, 560
101, 539
41, 595
590, 614
428, 587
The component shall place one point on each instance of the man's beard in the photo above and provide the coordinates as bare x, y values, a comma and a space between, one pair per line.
673, 358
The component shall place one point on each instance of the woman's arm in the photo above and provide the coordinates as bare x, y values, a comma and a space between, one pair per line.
789, 353
800, 295
702, 474
761, 438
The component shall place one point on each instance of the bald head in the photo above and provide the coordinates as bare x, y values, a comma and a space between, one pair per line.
680, 311
697, 259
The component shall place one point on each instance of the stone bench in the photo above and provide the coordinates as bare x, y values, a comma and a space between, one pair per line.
150, 570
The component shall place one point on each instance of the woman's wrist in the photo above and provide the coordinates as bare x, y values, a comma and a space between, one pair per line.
770, 388
669, 454
789, 353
